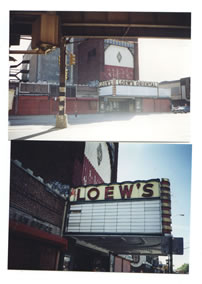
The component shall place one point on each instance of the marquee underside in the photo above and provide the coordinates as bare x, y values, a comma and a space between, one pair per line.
125, 244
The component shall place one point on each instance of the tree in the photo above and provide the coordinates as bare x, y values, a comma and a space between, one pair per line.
184, 268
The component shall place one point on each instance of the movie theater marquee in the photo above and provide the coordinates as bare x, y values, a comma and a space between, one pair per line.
121, 82
129, 207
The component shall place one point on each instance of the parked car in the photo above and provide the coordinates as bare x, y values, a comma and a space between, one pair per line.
181, 109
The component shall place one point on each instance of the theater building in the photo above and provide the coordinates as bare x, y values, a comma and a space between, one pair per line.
104, 59
113, 66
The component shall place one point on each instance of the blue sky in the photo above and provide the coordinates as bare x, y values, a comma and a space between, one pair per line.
139, 161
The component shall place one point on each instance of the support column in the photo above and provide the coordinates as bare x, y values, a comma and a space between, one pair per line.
61, 118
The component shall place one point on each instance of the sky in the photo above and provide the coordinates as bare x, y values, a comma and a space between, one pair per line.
138, 161
164, 59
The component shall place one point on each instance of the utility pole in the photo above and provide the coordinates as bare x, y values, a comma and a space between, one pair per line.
61, 118
171, 254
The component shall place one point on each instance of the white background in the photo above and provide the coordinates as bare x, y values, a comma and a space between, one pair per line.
196, 244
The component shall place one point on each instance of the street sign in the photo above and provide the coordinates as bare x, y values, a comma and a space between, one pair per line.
175, 247
178, 246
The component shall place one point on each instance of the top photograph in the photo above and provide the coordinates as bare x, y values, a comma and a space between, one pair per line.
99, 76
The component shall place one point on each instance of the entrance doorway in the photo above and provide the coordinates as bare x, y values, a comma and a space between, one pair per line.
86, 259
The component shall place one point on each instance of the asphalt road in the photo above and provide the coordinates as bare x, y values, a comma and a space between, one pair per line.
162, 127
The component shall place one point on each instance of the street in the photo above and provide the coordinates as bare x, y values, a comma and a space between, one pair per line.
159, 127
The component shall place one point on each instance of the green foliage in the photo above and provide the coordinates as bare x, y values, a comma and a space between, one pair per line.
184, 268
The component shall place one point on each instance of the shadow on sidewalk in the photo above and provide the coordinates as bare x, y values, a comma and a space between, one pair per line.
38, 134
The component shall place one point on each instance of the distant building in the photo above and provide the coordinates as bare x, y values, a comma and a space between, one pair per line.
180, 90
45, 67
44, 74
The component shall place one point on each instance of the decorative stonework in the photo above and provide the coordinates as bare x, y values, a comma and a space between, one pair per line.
119, 57
166, 206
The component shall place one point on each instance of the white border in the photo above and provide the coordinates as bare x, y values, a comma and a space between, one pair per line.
196, 247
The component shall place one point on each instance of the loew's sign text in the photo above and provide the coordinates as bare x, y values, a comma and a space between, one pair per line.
110, 192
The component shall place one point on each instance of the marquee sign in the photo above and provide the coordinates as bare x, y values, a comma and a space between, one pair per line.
122, 191
121, 82
139, 207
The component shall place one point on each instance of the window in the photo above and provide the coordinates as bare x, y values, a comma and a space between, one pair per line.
91, 53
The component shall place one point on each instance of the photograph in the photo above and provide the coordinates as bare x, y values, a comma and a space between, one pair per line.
99, 75
99, 206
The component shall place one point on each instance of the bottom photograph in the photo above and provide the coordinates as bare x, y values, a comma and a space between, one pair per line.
99, 206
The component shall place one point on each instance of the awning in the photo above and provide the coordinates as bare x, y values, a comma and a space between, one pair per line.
37, 234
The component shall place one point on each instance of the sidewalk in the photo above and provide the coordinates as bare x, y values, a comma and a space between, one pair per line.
165, 127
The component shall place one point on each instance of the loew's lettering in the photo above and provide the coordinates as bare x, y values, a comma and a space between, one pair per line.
124, 191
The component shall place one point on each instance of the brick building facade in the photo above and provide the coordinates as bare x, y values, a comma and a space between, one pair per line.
35, 222
42, 99
106, 59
